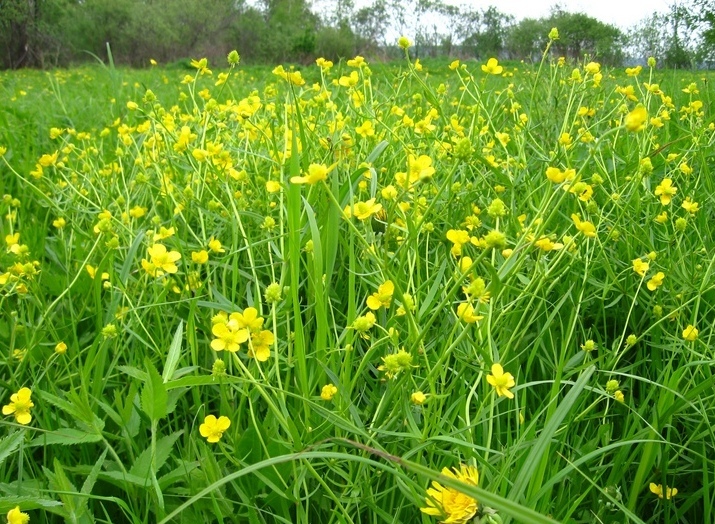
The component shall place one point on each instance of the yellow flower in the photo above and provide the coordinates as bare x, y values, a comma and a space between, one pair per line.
199, 257
260, 346
690, 334
690, 206
19, 406
328, 392
61, 348
449, 504
465, 312
229, 336
15, 516
557, 176
418, 398
501, 381
59, 223
162, 261
404, 42
657, 489
640, 267
458, 237
215, 246
396, 363
665, 190
619, 396
492, 67
635, 120
546, 244
363, 210
657, 281
383, 297
292, 77
316, 173
213, 428
587, 228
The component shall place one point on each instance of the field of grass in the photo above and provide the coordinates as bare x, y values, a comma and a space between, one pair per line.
363, 293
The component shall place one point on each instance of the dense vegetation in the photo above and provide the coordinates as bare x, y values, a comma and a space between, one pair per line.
296, 296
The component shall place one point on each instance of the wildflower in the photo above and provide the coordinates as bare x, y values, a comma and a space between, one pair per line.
465, 312
619, 396
557, 176
546, 244
363, 210
635, 120
612, 386
662, 218
501, 381
19, 406
640, 267
292, 77
690, 206
260, 344
492, 67
233, 58
404, 42
382, 297
229, 336
418, 398
395, 363
215, 246
199, 257
316, 173
328, 392
592, 67
15, 516
451, 504
690, 333
657, 489
665, 190
420, 168
458, 237
61, 348
656, 281
588, 346
162, 261
59, 223
213, 428
584, 226
631, 340
364, 323
554, 34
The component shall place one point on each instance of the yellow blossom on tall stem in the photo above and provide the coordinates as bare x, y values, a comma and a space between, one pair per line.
690, 333
316, 173
665, 190
213, 428
383, 296
501, 381
657, 489
19, 406
492, 67
640, 267
656, 281
636, 120
449, 504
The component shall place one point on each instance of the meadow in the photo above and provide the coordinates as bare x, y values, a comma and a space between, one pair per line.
357, 293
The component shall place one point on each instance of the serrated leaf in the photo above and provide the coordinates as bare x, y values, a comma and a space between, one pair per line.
142, 465
172, 358
133, 372
154, 400
65, 437
92, 477
9, 444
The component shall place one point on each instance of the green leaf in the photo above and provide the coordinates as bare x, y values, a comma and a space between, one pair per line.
65, 437
9, 444
142, 465
172, 358
154, 400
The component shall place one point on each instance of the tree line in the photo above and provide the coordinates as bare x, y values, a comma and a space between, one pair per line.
51, 33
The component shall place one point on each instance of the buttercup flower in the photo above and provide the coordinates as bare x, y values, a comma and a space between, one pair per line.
657, 281
383, 296
492, 67
15, 516
665, 190
657, 489
316, 173
690, 333
449, 504
213, 428
501, 381
19, 406
328, 392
